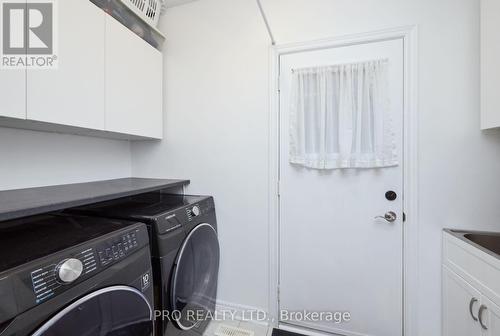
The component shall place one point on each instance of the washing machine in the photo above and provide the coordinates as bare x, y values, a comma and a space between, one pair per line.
72, 275
185, 251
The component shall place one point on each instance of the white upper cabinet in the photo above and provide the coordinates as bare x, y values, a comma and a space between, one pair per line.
72, 94
13, 89
107, 81
12, 84
133, 83
490, 64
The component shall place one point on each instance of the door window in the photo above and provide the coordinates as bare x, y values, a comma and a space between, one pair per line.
113, 311
194, 280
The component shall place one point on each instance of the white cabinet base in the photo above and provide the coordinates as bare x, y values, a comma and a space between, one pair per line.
491, 318
460, 306
471, 289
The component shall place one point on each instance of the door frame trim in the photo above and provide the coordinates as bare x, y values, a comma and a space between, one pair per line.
409, 34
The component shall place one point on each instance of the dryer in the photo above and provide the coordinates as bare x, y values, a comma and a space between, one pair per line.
73, 275
185, 250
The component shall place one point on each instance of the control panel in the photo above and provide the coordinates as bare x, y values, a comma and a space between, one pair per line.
48, 280
117, 249
199, 209
53, 278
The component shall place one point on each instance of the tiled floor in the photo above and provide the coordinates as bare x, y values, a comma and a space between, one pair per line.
258, 329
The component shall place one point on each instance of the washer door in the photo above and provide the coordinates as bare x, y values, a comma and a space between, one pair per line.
194, 280
112, 311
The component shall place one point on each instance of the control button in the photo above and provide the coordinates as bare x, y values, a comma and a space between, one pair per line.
69, 270
120, 250
115, 252
196, 211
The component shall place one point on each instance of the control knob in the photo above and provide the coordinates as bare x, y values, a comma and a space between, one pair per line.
69, 270
196, 211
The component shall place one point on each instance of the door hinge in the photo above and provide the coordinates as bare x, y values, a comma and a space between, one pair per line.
279, 83
278, 190
404, 216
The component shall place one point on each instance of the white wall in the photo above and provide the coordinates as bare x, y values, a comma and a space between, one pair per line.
217, 123
32, 159
216, 131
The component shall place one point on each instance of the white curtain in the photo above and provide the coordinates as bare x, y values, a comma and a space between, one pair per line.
340, 117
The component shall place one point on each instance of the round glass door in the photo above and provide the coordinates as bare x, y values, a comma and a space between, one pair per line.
194, 288
113, 311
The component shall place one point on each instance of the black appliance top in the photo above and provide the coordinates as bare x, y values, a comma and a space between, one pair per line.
148, 206
36, 201
24, 240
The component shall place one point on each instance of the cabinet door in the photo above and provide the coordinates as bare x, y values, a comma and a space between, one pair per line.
490, 64
133, 83
72, 94
12, 85
490, 318
13, 93
460, 306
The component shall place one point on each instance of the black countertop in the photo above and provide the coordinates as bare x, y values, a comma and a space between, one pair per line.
34, 201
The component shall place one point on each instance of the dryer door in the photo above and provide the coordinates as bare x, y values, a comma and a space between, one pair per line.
194, 279
112, 311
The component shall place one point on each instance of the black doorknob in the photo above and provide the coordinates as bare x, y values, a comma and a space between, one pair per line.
391, 195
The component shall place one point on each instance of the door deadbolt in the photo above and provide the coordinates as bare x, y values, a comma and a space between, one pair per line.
391, 195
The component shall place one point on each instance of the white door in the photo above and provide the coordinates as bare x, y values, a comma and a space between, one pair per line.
461, 304
73, 94
489, 318
335, 257
134, 75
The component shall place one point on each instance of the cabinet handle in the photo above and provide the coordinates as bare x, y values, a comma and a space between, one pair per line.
471, 306
480, 316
